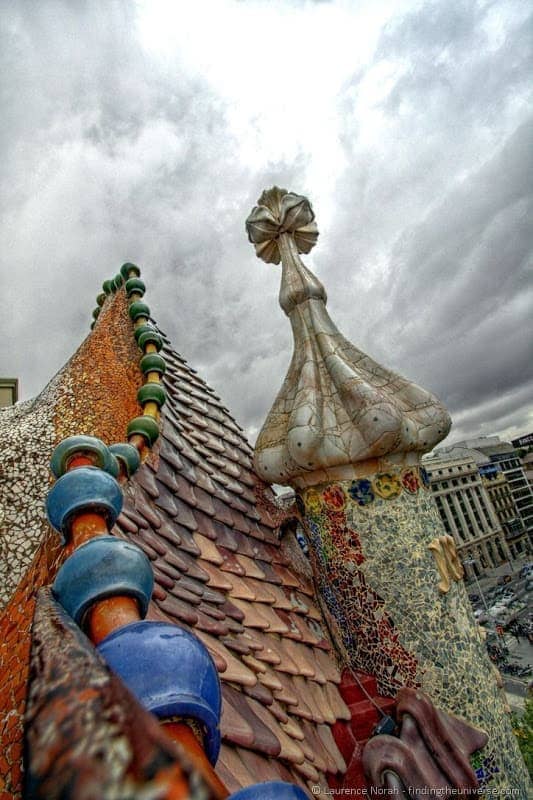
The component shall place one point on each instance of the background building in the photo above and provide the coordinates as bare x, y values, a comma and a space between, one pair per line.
505, 483
466, 510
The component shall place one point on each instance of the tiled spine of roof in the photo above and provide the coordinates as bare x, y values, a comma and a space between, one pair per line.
347, 435
106, 584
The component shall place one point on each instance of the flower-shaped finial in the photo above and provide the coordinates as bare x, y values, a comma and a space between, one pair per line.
337, 407
279, 211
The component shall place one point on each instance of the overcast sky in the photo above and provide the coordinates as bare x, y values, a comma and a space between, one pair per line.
146, 131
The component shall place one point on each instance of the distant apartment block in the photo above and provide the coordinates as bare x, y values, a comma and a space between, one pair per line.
466, 510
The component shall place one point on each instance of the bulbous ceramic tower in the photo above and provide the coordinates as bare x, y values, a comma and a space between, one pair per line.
347, 435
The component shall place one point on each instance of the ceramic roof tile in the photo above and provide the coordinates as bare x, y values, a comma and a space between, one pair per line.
290, 750
184, 489
179, 610
241, 589
236, 671
222, 512
286, 663
183, 560
147, 550
251, 567
158, 593
205, 502
245, 545
260, 693
163, 580
280, 597
279, 712
276, 624
208, 550
129, 511
315, 748
293, 729
237, 645
219, 490
272, 681
231, 610
293, 631
126, 524
217, 579
262, 591
184, 515
258, 667
152, 540
262, 768
169, 477
204, 479
328, 666
289, 579
225, 537
324, 743
209, 625
230, 562
292, 659
336, 703
231, 769
170, 454
263, 724
273, 553
308, 771
337, 762
179, 591
146, 478
211, 611
166, 502
269, 653
307, 689
146, 509
261, 616
234, 728
186, 540
239, 521
285, 693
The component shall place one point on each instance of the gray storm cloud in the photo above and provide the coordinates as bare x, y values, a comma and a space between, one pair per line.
112, 152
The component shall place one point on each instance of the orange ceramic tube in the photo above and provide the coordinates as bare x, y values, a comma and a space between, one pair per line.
181, 733
85, 527
110, 614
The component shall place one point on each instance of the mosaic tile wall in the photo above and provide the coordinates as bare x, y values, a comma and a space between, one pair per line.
95, 394
28, 436
369, 550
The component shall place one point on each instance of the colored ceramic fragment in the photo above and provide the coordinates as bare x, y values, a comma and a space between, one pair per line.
152, 362
271, 790
171, 672
127, 455
135, 285
103, 567
86, 489
146, 427
127, 269
147, 336
98, 452
152, 393
138, 309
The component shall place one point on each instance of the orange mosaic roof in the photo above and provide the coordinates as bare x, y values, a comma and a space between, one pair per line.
211, 529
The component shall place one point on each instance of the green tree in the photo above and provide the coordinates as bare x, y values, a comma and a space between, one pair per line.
523, 730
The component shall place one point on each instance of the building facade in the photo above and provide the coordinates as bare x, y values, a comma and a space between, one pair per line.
466, 511
499, 492
506, 457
